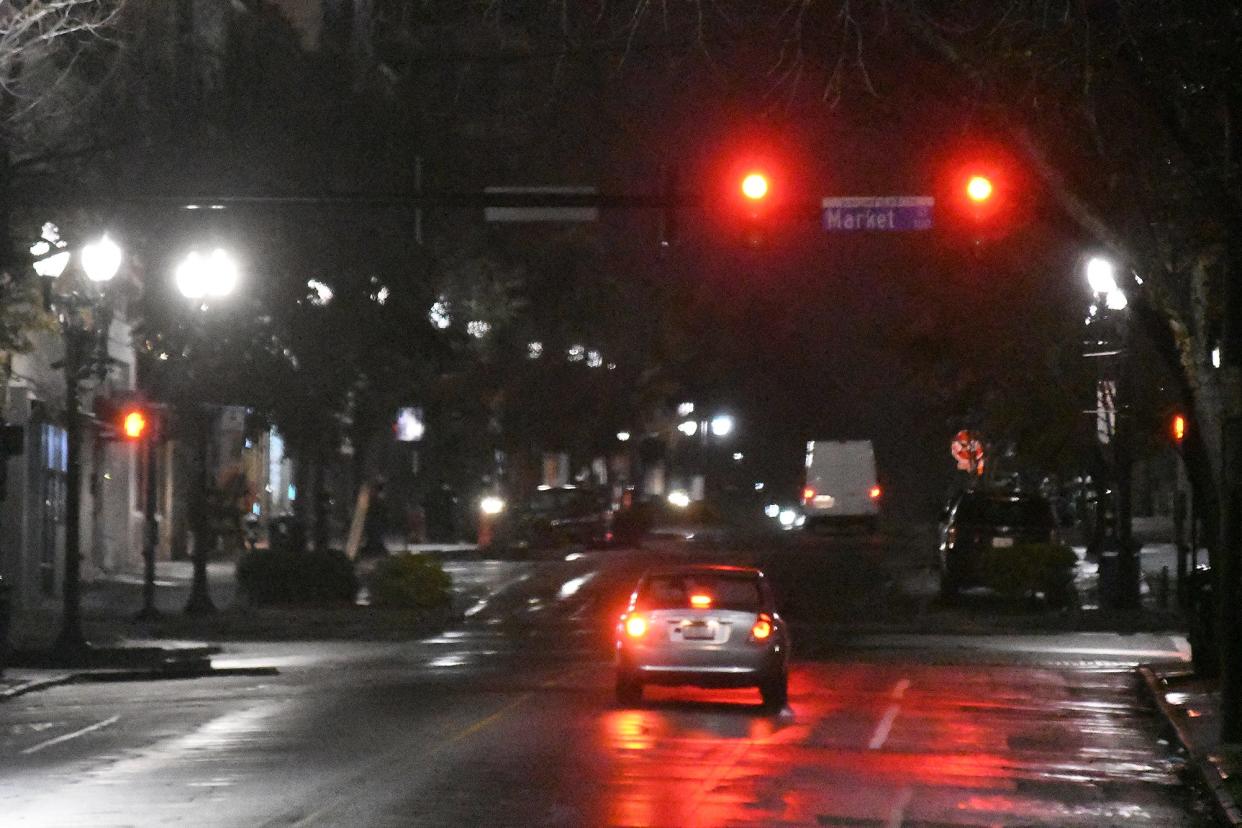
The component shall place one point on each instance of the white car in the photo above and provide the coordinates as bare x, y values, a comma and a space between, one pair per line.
704, 626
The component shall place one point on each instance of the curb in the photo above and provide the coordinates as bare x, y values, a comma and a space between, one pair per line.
1227, 810
35, 685
169, 674
143, 674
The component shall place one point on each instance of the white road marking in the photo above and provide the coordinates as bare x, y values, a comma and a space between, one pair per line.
898, 814
882, 729
67, 736
900, 688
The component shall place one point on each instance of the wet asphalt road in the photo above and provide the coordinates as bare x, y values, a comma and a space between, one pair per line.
509, 720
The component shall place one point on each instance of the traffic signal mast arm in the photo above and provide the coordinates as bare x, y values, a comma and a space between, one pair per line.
649, 200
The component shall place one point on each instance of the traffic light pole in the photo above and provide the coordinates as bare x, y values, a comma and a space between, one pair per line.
150, 534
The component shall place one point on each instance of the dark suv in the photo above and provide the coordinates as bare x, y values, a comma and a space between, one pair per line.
975, 521
560, 515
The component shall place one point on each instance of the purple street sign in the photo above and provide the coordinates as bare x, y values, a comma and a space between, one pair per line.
883, 213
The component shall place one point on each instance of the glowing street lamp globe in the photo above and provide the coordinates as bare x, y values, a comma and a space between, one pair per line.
202, 276
101, 259
1101, 275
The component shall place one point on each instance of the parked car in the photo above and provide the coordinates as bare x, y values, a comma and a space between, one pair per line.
559, 515
703, 626
976, 521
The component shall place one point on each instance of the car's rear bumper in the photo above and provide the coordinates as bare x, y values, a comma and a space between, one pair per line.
815, 519
732, 667
963, 561
700, 676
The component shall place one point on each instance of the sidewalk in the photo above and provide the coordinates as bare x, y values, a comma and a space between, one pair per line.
121, 592
124, 653
1190, 704
1192, 707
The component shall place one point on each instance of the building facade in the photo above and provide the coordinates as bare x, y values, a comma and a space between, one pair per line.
32, 513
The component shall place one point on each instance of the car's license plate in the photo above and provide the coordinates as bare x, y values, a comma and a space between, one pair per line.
1000, 543
697, 630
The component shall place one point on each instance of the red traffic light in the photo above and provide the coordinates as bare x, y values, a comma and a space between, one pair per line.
979, 188
1178, 428
755, 186
985, 190
133, 424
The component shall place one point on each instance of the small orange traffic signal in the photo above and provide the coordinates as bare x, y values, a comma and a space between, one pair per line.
1178, 428
133, 424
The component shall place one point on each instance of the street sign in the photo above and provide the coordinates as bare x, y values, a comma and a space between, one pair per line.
1105, 410
967, 451
525, 214
886, 213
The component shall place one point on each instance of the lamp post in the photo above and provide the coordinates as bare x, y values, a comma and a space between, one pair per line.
699, 456
1106, 342
203, 278
79, 308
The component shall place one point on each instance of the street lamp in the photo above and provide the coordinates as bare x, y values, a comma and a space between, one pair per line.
81, 310
722, 425
202, 277
1102, 278
1107, 324
211, 275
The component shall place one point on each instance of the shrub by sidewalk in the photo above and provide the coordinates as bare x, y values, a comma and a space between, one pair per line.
287, 595
267, 577
408, 580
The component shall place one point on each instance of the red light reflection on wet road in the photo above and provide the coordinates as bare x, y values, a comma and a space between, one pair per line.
889, 745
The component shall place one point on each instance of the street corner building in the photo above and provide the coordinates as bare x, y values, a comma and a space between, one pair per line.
33, 509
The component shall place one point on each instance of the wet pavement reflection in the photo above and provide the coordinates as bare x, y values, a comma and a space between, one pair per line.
897, 744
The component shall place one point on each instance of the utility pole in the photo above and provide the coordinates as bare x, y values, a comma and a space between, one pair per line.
200, 602
150, 533
1228, 582
71, 641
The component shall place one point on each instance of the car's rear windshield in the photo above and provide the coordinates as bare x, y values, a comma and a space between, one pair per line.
571, 502
994, 511
735, 591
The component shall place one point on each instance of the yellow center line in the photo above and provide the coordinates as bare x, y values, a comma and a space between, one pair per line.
469, 731
384, 761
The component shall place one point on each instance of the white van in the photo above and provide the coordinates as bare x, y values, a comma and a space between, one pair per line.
840, 484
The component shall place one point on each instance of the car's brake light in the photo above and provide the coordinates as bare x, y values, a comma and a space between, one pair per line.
699, 601
636, 626
808, 494
762, 629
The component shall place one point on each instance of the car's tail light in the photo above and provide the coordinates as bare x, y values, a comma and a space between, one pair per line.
874, 493
636, 626
808, 494
700, 601
762, 629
